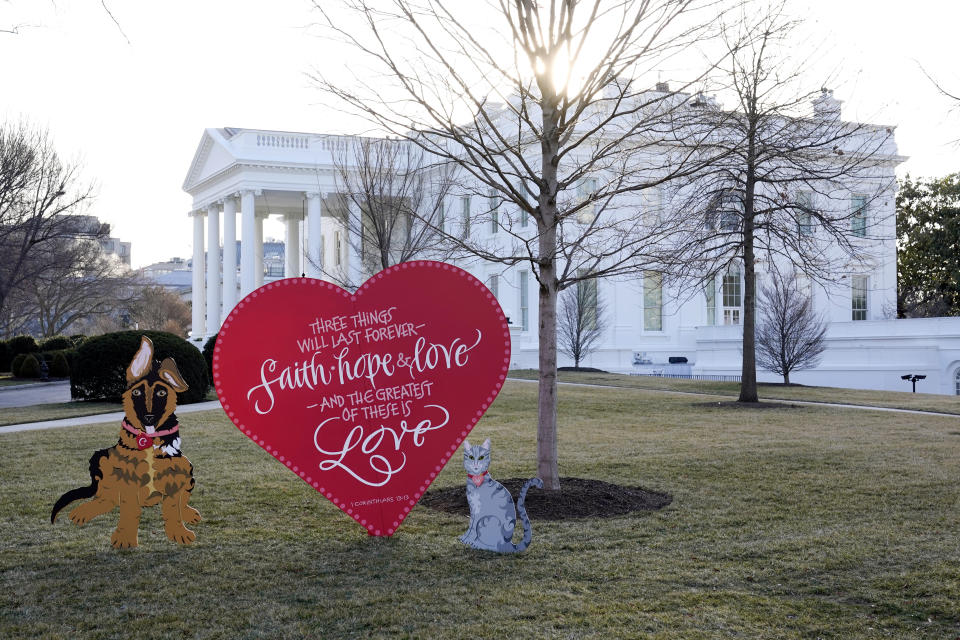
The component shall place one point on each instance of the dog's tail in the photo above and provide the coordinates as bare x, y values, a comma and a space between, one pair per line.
81, 493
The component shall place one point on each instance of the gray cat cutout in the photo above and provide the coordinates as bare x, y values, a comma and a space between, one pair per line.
492, 516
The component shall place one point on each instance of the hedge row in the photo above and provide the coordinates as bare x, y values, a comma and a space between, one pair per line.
17, 345
58, 363
101, 364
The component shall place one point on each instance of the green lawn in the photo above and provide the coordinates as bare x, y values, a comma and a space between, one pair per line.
807, 522
891, 399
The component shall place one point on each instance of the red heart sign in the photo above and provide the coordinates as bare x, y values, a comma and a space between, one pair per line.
364, 396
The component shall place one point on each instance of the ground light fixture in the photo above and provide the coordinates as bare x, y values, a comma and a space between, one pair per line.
913, 377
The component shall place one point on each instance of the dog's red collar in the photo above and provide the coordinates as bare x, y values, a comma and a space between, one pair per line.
144, 439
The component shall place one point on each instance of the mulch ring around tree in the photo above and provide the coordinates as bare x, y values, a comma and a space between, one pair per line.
733, 404
577, 498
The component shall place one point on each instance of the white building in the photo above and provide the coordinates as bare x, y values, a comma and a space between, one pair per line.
254, 174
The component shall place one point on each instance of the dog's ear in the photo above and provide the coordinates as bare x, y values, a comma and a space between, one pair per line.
141, 362
169, 373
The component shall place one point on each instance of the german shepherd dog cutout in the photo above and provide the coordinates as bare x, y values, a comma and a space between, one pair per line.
145, 467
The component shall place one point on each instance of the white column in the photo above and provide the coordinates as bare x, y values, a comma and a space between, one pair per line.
292, 247
258, 251
213, 269
314, 244
353, 238
198, 297
248, 242
229, 255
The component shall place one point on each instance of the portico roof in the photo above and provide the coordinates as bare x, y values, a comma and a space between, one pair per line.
229, 159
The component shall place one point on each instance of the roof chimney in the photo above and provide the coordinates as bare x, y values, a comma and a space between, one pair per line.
826, 106
663, 87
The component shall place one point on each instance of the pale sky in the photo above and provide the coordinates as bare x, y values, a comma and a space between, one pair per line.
133, 112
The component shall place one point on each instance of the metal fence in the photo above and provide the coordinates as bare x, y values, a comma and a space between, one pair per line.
690, 376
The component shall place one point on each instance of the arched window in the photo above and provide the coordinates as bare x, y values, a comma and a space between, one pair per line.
956, 382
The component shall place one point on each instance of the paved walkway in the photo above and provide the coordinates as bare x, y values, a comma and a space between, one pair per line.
114, 416
215, 404
28, 395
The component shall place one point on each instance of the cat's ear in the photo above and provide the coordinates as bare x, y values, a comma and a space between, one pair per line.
486, 444
466, 446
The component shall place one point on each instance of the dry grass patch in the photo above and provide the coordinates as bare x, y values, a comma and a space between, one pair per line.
889, 399
55, 411
801, 523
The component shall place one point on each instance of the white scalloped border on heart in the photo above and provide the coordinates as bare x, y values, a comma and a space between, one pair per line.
371, 529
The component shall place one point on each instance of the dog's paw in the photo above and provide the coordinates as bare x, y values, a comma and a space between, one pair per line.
82, 515
191, 515
181, 535
123, 540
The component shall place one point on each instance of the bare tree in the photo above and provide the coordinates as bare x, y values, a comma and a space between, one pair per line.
81, 282
160, 309
400, 197
783, 186
581, 320
790, 334
552, 122
38, 191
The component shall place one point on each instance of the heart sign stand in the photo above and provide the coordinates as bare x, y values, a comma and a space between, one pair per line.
364, 396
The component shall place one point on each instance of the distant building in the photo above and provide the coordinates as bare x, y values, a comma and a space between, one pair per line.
242, 176
175, 274
117, 248
90, 226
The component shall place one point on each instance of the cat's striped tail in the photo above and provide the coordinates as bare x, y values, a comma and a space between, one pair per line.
522, 512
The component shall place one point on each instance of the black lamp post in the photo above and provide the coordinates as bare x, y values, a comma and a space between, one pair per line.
912, 377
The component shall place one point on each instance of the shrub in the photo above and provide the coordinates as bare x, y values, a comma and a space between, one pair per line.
23, 344
56, 343
30, 367
5, 356
208, 354
77, 339
17, 363
99, 371
59, 366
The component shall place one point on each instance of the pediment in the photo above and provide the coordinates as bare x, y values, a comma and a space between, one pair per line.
213, 155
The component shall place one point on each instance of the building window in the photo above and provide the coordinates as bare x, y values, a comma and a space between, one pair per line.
465, 215
858, 297
956, 380
858, 221
652, 206
524, 216
652, 301
710, 293
524, 302
805, 219
493, 283
723, 213
494, 213
586, 190
732, 295
337, 248
442, 218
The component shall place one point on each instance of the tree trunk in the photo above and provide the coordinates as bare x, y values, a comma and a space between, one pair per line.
786, 377
748, 374
547, 468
